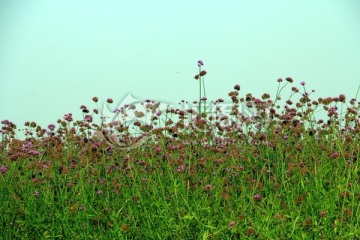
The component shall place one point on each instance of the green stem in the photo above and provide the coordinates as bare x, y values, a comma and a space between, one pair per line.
200, 96
200, 90
204, 91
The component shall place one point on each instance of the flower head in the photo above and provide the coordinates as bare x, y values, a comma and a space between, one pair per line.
88, 118
3, 169
202, 73
289, 79
51, 127
181, 168
232, 224
68, 117
157, 149
200, 63
342, 98
257, 197
294, 89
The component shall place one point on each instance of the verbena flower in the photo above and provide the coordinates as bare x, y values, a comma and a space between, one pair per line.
289, 79
257, 197
181, 168
68, 117
202, 73
51, 127
157, 149
88, 118
3, 169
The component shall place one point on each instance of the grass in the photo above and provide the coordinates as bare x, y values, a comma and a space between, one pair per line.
277, 174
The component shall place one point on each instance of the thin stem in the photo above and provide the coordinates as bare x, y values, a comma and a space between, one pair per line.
199, 90
204, 91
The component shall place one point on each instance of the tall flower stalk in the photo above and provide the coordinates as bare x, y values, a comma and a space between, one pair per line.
200, 77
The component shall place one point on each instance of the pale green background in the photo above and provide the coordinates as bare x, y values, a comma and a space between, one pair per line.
57, 55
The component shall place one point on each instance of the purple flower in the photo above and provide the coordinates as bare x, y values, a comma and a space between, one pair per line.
335, 155
8, 123
181, 168
34, 152
202, 73
257, 197
158, 149
200, 63
51, 127
3, 169
207, 187
289, 79
294, 89
333, 109
68, 117
46, 166
302, 83
36, 193
88, 118
101, 181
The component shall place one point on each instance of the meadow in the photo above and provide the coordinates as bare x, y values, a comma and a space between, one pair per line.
276, 172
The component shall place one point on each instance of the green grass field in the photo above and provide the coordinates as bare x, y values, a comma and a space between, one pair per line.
278, 174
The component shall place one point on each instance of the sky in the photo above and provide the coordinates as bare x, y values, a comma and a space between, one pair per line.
57, 55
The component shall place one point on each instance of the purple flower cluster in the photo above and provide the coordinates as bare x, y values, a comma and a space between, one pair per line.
28, 148
3, 169
68, 117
